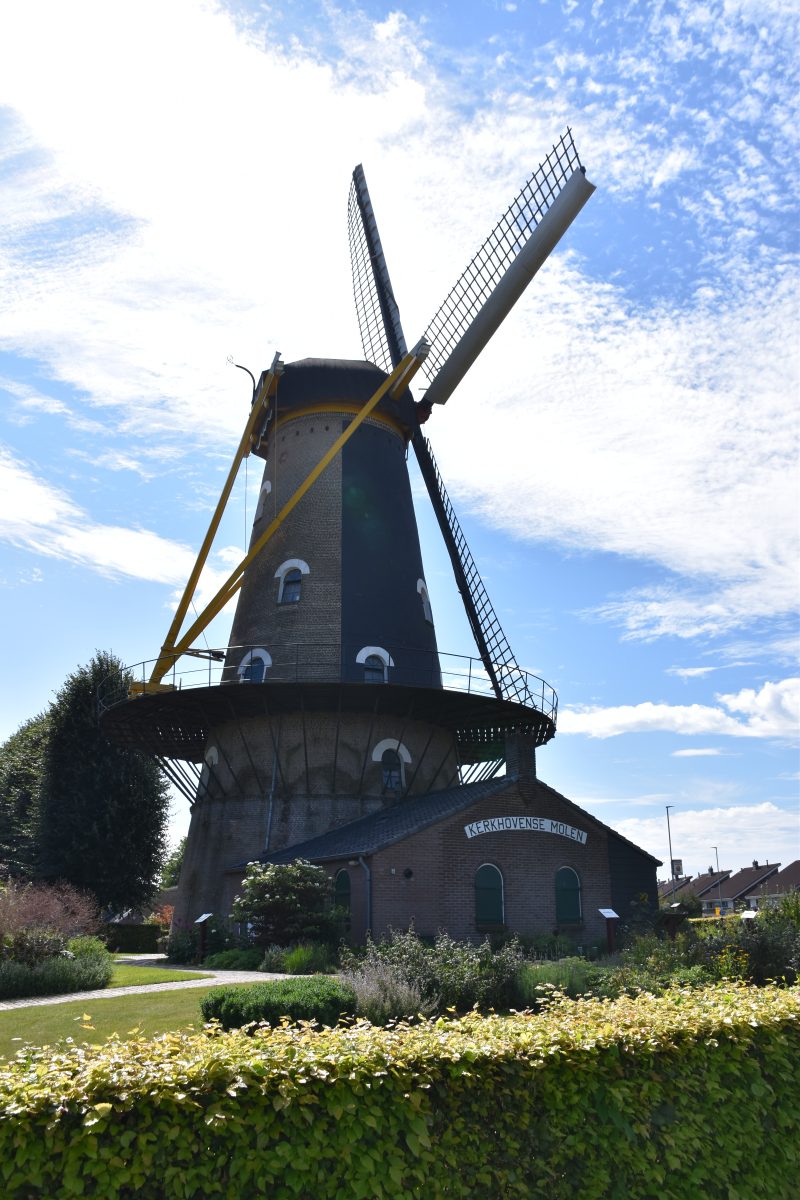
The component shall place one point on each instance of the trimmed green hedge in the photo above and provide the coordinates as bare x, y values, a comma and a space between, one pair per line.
90, 967
305, 999
132, 939
694, 1093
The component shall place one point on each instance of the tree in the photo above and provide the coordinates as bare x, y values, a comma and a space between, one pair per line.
171, 871
286, 903
21, 760
103, 809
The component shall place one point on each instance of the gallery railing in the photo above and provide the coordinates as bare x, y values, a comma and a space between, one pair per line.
325, 662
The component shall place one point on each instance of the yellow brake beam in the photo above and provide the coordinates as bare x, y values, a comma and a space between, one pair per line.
399, 379
260, 402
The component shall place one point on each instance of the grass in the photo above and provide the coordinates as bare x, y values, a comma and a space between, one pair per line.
148, 1014
126, 975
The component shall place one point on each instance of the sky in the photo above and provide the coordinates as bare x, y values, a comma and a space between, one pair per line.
624, 455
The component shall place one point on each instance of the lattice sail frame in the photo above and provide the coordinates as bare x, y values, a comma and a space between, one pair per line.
501, 247
384, 344
372, 317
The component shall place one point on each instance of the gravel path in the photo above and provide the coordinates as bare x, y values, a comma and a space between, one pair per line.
157, 963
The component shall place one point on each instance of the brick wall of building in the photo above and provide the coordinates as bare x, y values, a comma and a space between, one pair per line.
428, 878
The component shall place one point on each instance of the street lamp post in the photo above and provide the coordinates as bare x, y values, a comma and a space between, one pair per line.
671, 859
719, 882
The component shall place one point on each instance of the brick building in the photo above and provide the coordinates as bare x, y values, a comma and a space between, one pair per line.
336, 729
507, 854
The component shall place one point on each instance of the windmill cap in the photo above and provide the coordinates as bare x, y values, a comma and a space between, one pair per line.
327, 381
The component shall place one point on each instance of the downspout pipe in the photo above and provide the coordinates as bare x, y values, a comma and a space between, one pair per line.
271, 801
362, 862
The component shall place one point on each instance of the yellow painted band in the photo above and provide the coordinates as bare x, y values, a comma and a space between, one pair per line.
343, 407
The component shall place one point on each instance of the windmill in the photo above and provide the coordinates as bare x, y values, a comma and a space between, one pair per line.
349, 706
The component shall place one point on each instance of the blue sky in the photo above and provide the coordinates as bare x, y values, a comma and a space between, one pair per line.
173, 184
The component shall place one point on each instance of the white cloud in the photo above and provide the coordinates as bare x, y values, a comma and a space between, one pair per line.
661, 429
690, 672
741, 832
45, 520
708, 752
772, 712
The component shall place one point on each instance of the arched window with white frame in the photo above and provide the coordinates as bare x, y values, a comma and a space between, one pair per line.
393, 757
376, 662
254, 666
266, 488
427, 612
569, 909
290, 580
489, 896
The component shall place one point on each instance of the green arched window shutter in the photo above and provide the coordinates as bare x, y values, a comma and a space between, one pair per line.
568, 897
488, 895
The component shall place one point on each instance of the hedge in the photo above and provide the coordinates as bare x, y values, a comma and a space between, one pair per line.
694, 1093
132, 939
90, 968
306, 999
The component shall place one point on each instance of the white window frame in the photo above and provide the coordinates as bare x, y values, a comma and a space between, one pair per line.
291, 564
266, 488
376, 652
257, 655
424, 595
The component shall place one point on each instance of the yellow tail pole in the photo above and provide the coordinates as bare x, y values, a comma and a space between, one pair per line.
400, 377
167, 656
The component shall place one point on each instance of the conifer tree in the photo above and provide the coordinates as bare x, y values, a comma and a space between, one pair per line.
103, 808
21, 762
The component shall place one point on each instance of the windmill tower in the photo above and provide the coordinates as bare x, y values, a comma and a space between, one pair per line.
332, 700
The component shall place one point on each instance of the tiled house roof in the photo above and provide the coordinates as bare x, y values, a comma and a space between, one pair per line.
671, 888
701, 885
747, 880
787, 880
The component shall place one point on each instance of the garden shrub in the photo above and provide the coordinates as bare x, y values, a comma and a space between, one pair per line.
695, 1093
31, 946
182, 946
274, 959
85, 966
383, 993
448, 974
286, 903
246, 959
307, 958
760, 949
133, 939
59, 907
313, 999
572, 976
85, 946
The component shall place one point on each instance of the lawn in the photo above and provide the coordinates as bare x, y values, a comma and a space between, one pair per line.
127, 975
151, 1012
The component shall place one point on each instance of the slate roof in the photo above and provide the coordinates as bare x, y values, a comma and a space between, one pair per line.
390, 825
746, 880
787, 880
670, 888
701, 885
380, 829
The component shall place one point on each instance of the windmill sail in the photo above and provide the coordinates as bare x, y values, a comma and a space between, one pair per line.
508, 681
503, 267
384, 344
378, 315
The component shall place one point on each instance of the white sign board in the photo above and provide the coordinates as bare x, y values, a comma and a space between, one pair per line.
525, 825
609, 914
